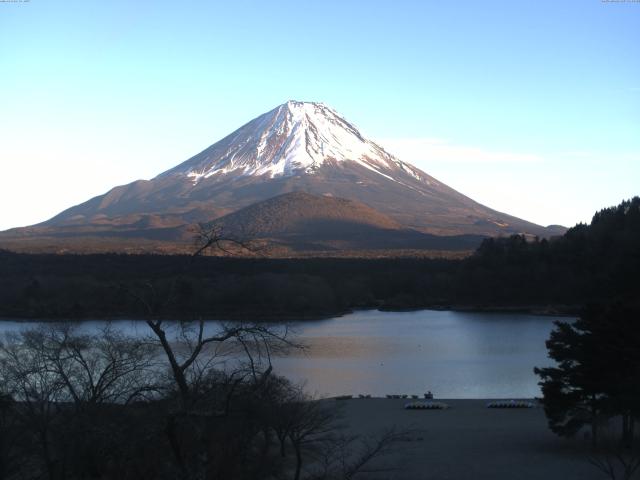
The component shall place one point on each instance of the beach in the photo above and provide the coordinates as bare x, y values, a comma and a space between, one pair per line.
469, 441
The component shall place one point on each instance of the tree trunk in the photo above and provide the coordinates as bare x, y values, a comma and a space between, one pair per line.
3, 460
594, 423
48, 461
626, 430
283, 441
178, 373
267, 441
172, 436
296, 446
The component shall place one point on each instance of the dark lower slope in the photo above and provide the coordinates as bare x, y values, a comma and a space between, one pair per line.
305, 222
433, 208
291, 224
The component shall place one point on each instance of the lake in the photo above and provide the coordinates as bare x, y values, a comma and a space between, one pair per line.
452, 354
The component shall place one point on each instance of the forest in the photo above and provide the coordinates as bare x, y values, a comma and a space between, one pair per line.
593, 262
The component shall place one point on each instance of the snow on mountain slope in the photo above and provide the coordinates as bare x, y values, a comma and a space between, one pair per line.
294, 138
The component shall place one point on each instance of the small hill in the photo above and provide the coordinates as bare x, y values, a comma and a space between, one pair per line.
300, 212
300, 221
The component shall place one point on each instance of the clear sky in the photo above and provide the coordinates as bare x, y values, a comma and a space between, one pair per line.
530, 107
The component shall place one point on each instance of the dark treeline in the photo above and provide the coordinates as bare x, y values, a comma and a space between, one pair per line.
100, 286
589, 263
592, 262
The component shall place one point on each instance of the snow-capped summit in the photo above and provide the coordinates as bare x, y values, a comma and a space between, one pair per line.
293, 138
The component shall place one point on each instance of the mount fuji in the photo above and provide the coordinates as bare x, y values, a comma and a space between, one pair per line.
302, 147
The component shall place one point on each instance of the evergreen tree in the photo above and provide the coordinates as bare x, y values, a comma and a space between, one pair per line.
597, 376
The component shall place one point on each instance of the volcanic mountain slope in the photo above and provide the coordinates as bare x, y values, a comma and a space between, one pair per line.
300, 221
296, 147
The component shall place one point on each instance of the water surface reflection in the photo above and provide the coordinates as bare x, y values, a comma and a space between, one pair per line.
453, 354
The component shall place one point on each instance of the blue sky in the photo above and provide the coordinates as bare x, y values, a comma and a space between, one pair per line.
532, 108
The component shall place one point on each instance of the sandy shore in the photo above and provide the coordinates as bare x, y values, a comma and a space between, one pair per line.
470, 441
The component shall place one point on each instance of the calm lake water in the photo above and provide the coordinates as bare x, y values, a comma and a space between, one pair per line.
453, 354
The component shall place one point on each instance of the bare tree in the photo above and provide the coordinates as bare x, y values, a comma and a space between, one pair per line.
74, 393
616, 459
26, 375
321, 448
311, 424
208, 363
366, 450
191, 344
213, 237
192, 351
107, 367
65, 383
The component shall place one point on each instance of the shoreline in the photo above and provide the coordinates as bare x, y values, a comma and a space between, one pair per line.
477, 402
538, 310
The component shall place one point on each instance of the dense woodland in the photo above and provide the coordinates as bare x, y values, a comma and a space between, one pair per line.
591, 262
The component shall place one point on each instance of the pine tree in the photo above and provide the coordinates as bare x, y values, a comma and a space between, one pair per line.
597, 375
